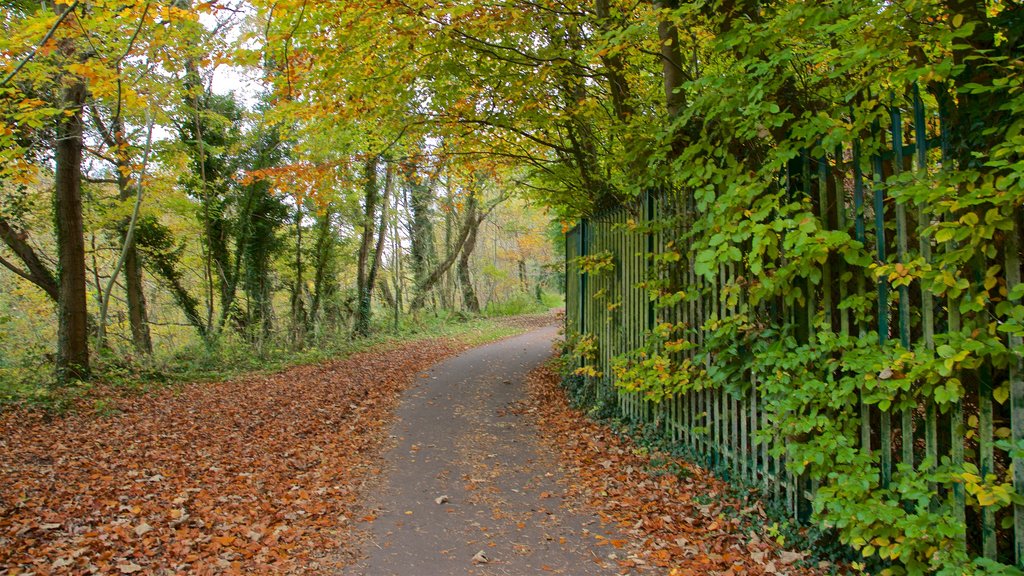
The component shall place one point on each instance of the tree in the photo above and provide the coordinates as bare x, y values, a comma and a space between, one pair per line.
469, 299
72, 313
370, 250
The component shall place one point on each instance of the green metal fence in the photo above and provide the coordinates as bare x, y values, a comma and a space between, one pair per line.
729, 432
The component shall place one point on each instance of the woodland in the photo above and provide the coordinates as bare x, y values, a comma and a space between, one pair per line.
401, 164
151, 223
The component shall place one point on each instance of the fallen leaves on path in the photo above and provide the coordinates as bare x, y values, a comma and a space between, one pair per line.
681, 525
256, 475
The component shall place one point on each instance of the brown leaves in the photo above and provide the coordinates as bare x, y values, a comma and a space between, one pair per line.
250, 476
681, 524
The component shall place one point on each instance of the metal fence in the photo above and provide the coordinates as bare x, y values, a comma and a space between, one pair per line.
734, 433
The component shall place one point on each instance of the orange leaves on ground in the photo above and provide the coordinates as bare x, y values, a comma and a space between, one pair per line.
682, 524
258, 475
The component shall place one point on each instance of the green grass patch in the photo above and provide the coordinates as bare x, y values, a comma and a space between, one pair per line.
520, 304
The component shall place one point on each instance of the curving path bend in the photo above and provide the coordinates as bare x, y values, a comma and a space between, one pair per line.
460, 438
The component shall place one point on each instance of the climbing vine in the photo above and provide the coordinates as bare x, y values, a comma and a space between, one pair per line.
844, 232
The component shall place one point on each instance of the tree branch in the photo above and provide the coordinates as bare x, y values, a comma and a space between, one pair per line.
37, 272
15, 269
46, 38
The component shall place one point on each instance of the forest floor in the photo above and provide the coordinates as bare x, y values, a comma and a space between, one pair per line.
674, 516
417, 458
253, 475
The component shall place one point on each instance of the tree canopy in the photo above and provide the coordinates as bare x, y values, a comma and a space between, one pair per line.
388, 148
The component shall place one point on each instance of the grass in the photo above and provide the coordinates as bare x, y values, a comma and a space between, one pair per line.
226, 358
524, 304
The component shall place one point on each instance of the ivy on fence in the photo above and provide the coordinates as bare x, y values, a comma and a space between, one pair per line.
823, 297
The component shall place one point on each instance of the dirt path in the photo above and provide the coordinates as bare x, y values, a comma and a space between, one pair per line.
466, 475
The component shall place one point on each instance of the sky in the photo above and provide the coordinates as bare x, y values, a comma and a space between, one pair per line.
235, 79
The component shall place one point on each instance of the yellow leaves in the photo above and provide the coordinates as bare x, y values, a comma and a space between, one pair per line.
85, 70
969, 219
1001, 393
986, 491
170, 13
587, 371
29, 104
102, 80
992, 277
206, 7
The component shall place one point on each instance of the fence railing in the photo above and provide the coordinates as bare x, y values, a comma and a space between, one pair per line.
731, 428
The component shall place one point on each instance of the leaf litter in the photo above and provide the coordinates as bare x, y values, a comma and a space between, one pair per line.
681, 525
255, 475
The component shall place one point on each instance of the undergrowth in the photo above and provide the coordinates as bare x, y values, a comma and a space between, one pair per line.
222, 358
515, 306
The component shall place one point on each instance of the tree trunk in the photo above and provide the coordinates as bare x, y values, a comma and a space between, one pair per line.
397, 274
165, 269
298, 304
364, 289
671, 61
448, 287
471, 223
421, 237
72, 314
469, 299
385, 292
672, 71
129, 253
618, 86
378, 251
322, 259
137, 303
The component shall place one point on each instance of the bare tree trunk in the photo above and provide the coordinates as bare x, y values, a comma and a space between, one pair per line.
133, 282
137, 317
672, 71
469, 299
72, 312
471, 223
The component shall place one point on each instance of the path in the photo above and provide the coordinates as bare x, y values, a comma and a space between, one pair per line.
459, 434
